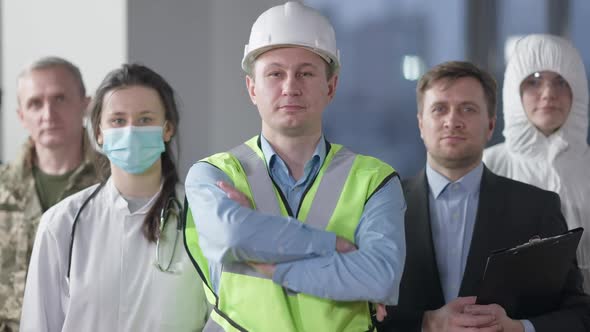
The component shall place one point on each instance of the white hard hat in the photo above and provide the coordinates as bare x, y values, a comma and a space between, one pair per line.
292, 24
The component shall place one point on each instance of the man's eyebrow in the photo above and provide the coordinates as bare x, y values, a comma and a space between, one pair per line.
469, 103
300, 65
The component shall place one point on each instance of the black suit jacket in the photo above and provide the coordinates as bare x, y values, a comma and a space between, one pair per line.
509, 213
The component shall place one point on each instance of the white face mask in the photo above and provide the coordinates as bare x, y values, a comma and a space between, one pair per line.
133, 149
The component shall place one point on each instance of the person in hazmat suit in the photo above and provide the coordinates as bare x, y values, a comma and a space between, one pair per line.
545, 98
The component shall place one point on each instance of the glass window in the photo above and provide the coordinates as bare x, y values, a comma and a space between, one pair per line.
385, 45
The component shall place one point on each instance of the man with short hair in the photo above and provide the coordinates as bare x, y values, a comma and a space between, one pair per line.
459, 212
325, 236
56, 161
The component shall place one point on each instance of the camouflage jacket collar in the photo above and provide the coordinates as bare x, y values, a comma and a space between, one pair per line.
26, 158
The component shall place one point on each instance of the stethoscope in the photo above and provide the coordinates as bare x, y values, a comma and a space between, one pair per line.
169, 209
172, 207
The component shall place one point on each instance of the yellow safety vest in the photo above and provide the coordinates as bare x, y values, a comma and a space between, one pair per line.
249, 301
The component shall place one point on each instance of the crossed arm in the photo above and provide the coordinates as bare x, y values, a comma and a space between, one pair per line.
342, 245
304, 259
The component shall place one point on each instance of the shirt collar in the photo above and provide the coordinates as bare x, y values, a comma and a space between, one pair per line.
270, 155
439, 182
121, 202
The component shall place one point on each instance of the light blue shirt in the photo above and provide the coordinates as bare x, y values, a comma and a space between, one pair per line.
453, 207
292, 189
305, 257
453, 210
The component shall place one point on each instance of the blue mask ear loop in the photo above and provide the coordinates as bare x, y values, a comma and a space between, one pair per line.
102, 133
164, 133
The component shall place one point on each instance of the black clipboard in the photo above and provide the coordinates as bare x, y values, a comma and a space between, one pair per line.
527, 280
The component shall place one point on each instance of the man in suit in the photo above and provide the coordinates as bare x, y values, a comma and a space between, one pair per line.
458, 212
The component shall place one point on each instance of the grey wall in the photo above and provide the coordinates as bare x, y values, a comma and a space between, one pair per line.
197, 46
91, 34
171, 37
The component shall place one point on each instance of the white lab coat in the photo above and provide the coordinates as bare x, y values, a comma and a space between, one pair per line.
559, 162
114, 284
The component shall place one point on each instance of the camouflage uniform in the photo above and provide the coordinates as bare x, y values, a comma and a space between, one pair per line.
20, 212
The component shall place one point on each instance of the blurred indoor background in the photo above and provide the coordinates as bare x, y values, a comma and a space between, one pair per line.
197, 45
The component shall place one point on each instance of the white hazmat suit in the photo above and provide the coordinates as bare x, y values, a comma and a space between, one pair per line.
558, 162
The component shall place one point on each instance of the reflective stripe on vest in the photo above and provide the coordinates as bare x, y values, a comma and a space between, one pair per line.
217, 323
259, 180
246, 301
326, 198
261, 185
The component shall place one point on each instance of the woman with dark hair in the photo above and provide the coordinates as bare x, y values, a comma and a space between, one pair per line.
111, 257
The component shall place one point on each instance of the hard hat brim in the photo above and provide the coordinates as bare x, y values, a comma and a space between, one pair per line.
250, 57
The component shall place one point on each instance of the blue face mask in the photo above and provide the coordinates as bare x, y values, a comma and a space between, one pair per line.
133, 149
